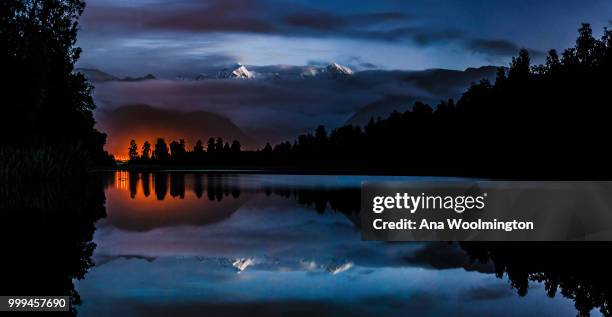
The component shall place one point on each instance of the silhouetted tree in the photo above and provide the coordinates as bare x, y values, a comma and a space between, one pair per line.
235, 148
45, 103
198, 148
211, 147
519, 69
133, 150
177, 150
267, 148
161, 185
320, 136
561, 268
146, 185
160, 153
146, 150
219, 145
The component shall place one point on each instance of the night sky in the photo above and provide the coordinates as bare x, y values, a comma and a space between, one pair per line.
384, 41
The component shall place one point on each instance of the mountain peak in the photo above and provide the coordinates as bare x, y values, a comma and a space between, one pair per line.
337, 70
239, 72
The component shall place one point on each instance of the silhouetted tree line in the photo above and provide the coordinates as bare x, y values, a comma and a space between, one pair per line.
531, 118
45, 105
217, 152
578, 271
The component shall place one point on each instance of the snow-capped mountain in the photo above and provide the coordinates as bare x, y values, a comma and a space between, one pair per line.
243, 263
335, 269
336, 70
240, 72
276, 72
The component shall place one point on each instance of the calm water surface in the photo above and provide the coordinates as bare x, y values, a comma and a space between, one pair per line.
193, 244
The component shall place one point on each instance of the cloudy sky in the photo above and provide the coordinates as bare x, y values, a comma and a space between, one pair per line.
170, 37
388, 43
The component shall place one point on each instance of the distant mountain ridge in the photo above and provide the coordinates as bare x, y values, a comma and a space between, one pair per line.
275, 72
95, 75
278, 102
439, 84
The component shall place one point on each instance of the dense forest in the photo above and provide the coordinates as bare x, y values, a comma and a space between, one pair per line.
47, 124
530, 118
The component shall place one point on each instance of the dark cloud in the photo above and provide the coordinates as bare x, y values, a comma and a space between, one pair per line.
244, 16
427, 37
498, 47
494, 47
248, 16
358, 63
264, 17
367, 65
316, 21
380, 17
217, 16
322, 20
211, 16
317, 63
417, 35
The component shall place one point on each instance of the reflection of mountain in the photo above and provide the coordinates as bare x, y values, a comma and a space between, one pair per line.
142, 122
247, 241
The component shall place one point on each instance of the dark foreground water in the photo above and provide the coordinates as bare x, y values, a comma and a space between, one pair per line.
197, 244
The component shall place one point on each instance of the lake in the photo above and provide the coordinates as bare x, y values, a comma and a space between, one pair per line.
229, 244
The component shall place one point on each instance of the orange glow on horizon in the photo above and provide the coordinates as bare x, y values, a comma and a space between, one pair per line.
118, 146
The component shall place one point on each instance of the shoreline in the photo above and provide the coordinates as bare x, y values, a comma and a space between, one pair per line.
275, 170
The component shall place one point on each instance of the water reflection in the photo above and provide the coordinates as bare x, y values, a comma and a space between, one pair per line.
578, 271
46, 234
200, 198
343, 197
186, 243
281, 244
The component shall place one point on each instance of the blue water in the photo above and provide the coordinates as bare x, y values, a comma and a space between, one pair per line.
256, 249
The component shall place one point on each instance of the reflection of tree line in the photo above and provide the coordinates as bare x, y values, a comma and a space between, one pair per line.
216, 187
219, 186
47, 231
345, 200
47, 235
579, 271
575, 270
